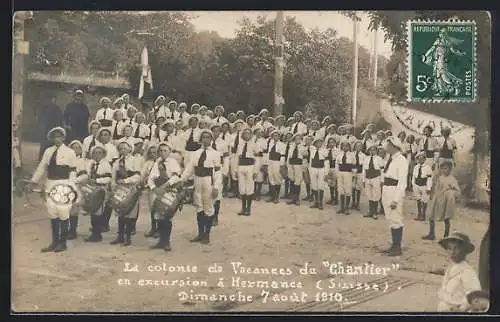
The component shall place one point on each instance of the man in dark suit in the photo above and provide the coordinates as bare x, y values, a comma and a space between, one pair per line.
50, 116
76, 117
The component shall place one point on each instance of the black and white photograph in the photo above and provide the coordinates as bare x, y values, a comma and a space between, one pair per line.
250, 161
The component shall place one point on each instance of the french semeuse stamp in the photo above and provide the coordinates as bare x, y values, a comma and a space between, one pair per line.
441, 61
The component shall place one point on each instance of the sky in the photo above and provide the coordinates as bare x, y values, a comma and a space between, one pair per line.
225, 24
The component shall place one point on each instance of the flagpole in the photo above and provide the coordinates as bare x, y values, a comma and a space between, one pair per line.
279, 65
355, 71
375, 54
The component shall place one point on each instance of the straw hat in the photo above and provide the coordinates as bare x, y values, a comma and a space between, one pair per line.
461, 238
54, 130
395, 141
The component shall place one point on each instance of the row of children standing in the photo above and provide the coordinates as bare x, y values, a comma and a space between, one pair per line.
254, 150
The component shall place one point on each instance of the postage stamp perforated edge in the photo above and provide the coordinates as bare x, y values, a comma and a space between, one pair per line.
409, 41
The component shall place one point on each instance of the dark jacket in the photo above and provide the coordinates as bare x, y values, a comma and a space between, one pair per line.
50, 116
77, 116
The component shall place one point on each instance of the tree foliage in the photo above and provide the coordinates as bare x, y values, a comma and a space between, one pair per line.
201, 66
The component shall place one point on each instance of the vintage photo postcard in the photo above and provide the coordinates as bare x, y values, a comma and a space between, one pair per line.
251, 161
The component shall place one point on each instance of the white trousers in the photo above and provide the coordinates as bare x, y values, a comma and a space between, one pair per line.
245, 179
373, 191
318, 178
344, 183
202, 198
393, 216
233, 166
296, 173
274, 174
357, 181
187, 157
225, 166
260, 175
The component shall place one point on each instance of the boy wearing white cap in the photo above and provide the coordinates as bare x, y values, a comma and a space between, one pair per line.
125, 171
359, 158
248, 169
219, 145
192, 138
345, 171
204, 165
90, 141
261, 144
332, 174
318, 170
235, 142
275, 156
98, 172
165, 170
298, 126
447, 145
422, 184
117, 126
59, 165
429, 145
159, 107
219, 118
308, 140
104, 115
393, 191
139, 127
297, 153
184, 116
372, 167
81, 171
104, 139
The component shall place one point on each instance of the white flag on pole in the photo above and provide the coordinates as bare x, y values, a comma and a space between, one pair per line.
146, 76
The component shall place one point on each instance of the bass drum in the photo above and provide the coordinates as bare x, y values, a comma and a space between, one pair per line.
93, 198
166, 204
124, 199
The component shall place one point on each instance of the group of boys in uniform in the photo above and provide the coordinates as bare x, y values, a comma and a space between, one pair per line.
234, 155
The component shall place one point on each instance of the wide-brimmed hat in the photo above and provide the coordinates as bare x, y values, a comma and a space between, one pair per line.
56, 129
79, 91
104, 99
103, 129
281, 116
159, 98
130, 147
395, 141
75, 142
462, 238
264, 110
274, 132
207, 131
94, 122
118, 100
299, 113
239, 121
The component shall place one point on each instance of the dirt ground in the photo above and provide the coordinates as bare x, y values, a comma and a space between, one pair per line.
88, 277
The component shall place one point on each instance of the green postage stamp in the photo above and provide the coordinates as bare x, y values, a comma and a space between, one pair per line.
441, 61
